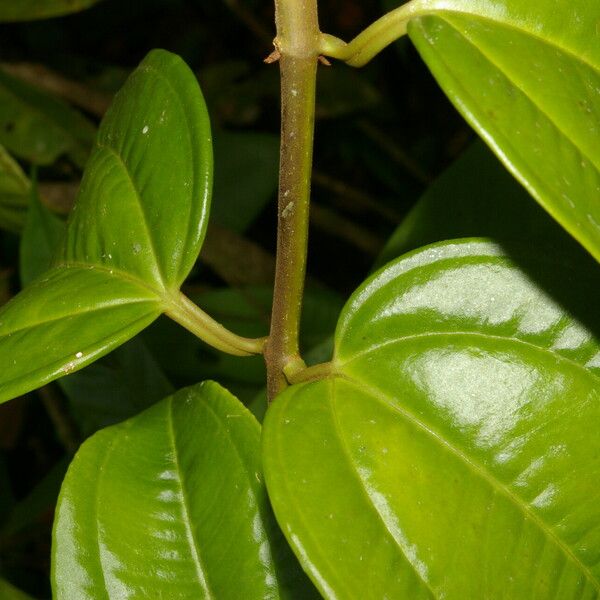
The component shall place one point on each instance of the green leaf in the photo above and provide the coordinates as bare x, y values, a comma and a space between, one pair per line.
40, 241
40, 128
10, 592
526, 76
196, 521
134, 234
66, 320
28, 10
455, 434
145, 195
476, 196
15, 189
246, 176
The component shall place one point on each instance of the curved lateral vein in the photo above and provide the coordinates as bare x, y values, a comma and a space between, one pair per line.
101, 472
325, 557
140, 205
506, 73
344, 447
77, 314
193, 149
475, 467
339, 364
200, 569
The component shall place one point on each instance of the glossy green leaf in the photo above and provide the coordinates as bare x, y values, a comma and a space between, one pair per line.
27, 10
66, 320
476, 197
145, 195
10, 592
526, 76
114, 388
40, 128
134, 234
40, 240
455, 434
171, 504
15, 189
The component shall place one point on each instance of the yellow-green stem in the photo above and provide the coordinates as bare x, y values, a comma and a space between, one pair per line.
182, 310
376, 37
297, 41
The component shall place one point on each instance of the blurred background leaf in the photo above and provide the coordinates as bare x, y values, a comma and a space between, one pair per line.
26, 10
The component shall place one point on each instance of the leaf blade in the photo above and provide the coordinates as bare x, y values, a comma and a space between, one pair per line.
528, 87
159, 113
457, 439
180, 477
47, 332
28, 10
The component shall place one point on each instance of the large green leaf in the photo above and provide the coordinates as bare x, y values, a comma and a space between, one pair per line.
171, 504
455, 434
27, 10
15, 189
134, 234
526, 76
476, 197
38, 127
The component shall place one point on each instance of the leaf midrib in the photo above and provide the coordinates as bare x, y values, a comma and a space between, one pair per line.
550, 41
195, 160
192, 542
346, 452
476, 468
140, 204
510, 76
340, 364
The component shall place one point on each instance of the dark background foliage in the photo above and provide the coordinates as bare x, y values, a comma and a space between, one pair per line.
383, 133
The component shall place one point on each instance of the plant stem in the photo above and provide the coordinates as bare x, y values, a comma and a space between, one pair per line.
182, 310
297, 41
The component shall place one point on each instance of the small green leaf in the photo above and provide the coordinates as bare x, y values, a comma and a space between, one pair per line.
455, 434
134, 234
145, 195
40, 240
15, 189
171, 504
526, 76
476, 197
28, 10
40, 128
